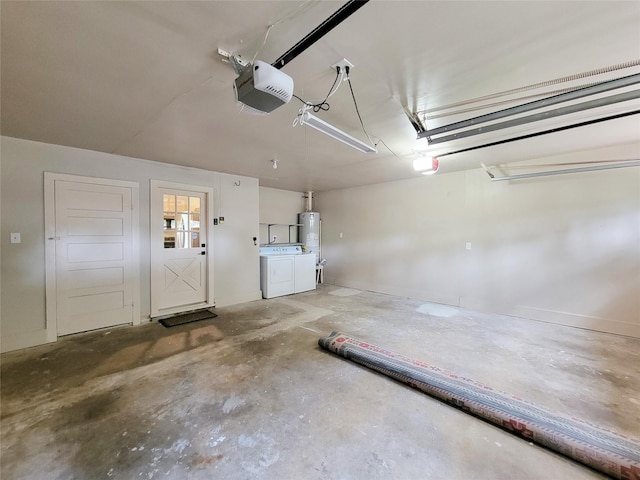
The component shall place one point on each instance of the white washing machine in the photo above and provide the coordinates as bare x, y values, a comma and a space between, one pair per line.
285, 269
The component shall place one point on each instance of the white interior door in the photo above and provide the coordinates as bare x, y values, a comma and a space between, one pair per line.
180, 270
94, 268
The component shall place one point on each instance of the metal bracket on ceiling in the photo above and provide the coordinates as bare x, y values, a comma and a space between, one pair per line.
486, 169
415, 121
238, 62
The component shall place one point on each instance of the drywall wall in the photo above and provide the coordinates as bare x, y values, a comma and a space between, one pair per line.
22, 322
562, 249
279, 208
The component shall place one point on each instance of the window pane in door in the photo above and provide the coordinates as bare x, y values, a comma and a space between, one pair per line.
181, 221
195, 222
195, 240
182, 239
182, 203
169, 221
169, 203
194, 205
169, 240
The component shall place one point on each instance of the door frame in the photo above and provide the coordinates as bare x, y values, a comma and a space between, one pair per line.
51, 300
155, 212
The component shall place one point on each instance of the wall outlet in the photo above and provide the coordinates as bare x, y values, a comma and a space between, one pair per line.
15, 238
467, 245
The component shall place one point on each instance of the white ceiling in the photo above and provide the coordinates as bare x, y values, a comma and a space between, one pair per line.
144, 79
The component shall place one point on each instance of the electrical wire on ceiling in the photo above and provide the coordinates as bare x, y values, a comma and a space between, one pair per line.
240, 63
306, 118
323, 105
302, 8
355, 103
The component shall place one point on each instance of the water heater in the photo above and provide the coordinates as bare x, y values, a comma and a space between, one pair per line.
309, 232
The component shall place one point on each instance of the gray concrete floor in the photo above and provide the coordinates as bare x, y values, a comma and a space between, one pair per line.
250, 395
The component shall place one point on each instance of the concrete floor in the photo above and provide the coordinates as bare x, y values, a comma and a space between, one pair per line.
250, 395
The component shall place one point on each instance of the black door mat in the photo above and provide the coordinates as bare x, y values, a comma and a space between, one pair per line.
182, 318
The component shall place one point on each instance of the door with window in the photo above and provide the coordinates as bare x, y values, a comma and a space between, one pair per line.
180, 253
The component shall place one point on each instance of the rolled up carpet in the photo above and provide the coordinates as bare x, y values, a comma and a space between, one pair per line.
602, 450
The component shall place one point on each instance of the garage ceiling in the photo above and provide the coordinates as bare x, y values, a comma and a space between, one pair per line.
145, 79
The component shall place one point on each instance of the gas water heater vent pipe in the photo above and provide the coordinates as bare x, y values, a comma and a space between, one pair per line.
309, 197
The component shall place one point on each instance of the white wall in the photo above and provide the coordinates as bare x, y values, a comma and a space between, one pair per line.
280, 207
563, 249
22, 321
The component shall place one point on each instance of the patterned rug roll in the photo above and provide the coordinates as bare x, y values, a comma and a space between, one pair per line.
603, 450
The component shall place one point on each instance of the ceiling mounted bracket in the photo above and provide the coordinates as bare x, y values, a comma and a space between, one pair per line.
238, 62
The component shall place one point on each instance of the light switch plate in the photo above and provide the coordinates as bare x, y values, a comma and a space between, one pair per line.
15, 238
